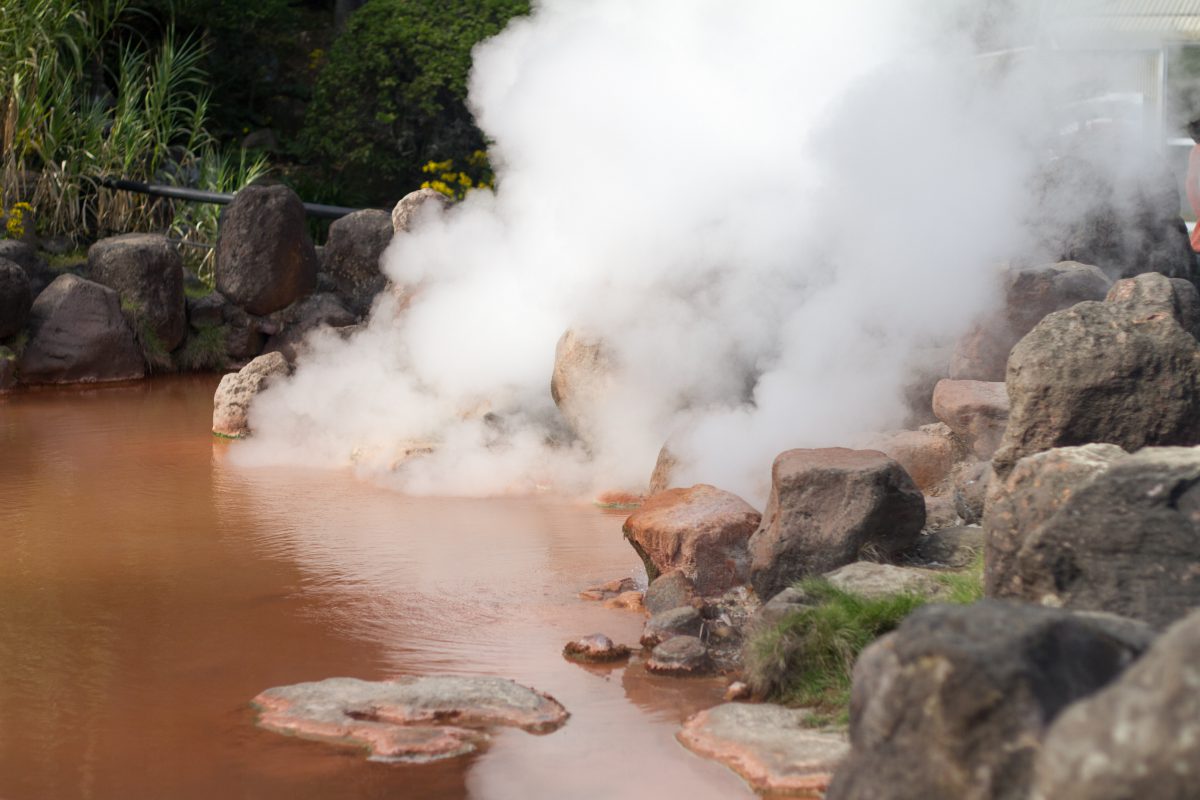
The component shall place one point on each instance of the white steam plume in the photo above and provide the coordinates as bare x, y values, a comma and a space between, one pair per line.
767, 211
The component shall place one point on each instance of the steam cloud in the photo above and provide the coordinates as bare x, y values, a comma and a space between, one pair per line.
771, 213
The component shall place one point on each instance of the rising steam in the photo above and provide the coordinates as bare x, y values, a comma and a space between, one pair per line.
770, 212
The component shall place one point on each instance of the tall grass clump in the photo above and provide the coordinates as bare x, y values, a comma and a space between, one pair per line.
82, 98
807, 658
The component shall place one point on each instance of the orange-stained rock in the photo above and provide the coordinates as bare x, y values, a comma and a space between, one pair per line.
626, 601
407, 719
701, 531
595, 649
975, 410
609, 590
768, 745
619, 499
681, 657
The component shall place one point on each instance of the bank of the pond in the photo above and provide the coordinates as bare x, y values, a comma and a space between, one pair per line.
150, 591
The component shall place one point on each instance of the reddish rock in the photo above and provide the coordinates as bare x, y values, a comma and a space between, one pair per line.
982, 353
770, 746
701, 531
595, 649
626, 601
977, 412
928, 455
231, 404
827, 507
664, 471
412, 718
619, 499
1151, 293
609, 590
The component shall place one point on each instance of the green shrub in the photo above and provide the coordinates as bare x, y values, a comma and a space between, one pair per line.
808, 657
391, 96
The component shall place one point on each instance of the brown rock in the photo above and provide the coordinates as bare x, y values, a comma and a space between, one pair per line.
352, 254
1151, 293
701, 531
770, 746
231, 404
668, 591
609, 590
664, 470
941, 512
682, 621
928, 455
595, 649
828, 506
626, 601
680, 656
977, 411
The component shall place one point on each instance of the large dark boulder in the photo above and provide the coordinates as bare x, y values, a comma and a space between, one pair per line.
26, 257
1127, 542
953, 704
1151, 293
1137, 738
1032, 493
701, 531
79, 335
352, 252
1123, 373
1030, 293
16, 298
265, 258
147, 272
827, 507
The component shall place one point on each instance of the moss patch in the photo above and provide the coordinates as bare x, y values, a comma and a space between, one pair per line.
204, 349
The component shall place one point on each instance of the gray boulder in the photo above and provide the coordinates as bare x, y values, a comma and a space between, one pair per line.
971, 484
668, 591
680, 656
79, 335
409, 208
954, 703
977, 412
825, 509
265, 258
352, 253
300, 319
1030, 293
147, 272
1032, 493
682, 621
1127, 542
1137, 738
1151, 293
16, 298
1102, 372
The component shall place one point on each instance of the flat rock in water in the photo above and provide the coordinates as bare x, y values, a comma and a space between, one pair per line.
768, 745
609, 590
408, 719
682, 621
595, 649
680, 656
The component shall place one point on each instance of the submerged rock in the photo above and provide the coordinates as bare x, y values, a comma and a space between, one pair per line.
595, 649
680, 656
1137, 738
827, 507
412, 718
954, 703
79, 335
609, 590
770, 746
701, 531
231, 404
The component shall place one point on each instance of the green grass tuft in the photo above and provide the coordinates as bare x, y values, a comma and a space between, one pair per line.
807, 658
204, 349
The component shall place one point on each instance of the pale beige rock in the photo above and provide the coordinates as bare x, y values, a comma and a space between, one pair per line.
237, 390
405, 212
770, 746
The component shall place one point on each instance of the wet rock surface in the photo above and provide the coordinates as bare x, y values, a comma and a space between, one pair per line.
78, 335
407, 719
680, 656
1138, 737
826, 507
595, 649
1125, 542
1033, 492
701, 531
16, 298
668, 591
682, 621
977, 412
265, 259
1102, 372
954, 703
609, 589
147, 272
237, 390
770, 746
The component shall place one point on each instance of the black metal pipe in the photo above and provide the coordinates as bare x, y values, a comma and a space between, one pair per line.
218, 198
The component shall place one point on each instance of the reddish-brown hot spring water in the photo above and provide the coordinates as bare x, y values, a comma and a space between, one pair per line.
148, 590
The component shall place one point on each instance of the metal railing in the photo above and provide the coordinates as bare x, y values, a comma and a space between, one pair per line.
218, 198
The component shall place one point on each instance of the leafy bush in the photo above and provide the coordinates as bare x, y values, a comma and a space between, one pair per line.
392, 94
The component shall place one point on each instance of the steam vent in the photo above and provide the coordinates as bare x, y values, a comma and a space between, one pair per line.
592, 400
